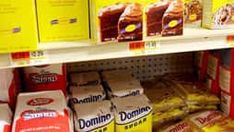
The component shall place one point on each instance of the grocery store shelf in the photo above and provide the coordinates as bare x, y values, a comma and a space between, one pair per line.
67, 52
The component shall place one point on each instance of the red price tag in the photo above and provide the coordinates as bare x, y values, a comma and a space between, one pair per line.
230, 40
27, 58
137, 46
20, 58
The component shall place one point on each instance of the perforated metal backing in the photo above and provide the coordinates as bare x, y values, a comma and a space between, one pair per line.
143, 68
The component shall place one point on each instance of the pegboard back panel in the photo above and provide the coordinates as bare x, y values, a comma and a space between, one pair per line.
143, 68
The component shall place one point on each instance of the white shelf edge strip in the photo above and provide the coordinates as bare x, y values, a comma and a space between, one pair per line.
112, 51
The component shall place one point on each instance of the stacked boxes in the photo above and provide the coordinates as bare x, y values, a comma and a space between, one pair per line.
213, 72
63, 20
218, 14
133, 20
226, 81
18, 27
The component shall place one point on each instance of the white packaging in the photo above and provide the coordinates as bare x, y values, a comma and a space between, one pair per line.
94, 117
85, 78
5, 118
133, 113
9, 86
87, 94
123, 88
42, 112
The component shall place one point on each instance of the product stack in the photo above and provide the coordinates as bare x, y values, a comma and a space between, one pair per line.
44, 111
167, 104
218, 76
114, 100
121, 20
120, 83
226, 81
113, 112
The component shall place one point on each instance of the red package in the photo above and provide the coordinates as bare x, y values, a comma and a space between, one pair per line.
5, 118
47, 77
9, 86
226, 79
213, 72
202, 64
42, 112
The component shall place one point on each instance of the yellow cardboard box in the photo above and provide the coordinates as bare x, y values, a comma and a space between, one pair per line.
63, 20
133, 20
218, 14
18, 30
193, 13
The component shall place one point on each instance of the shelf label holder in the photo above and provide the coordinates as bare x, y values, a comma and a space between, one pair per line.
28, 58
143, 47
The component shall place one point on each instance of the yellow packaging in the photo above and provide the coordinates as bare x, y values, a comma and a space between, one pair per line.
132, 114
63, 20
126, 20
193, 13
218, 14
18, 29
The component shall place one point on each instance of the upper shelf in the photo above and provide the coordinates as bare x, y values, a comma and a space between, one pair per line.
66, 52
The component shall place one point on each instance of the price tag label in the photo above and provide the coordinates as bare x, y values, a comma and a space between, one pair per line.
230, 40
20, 58
28, 58
143, 47
137, 47
151, 46
39, 56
